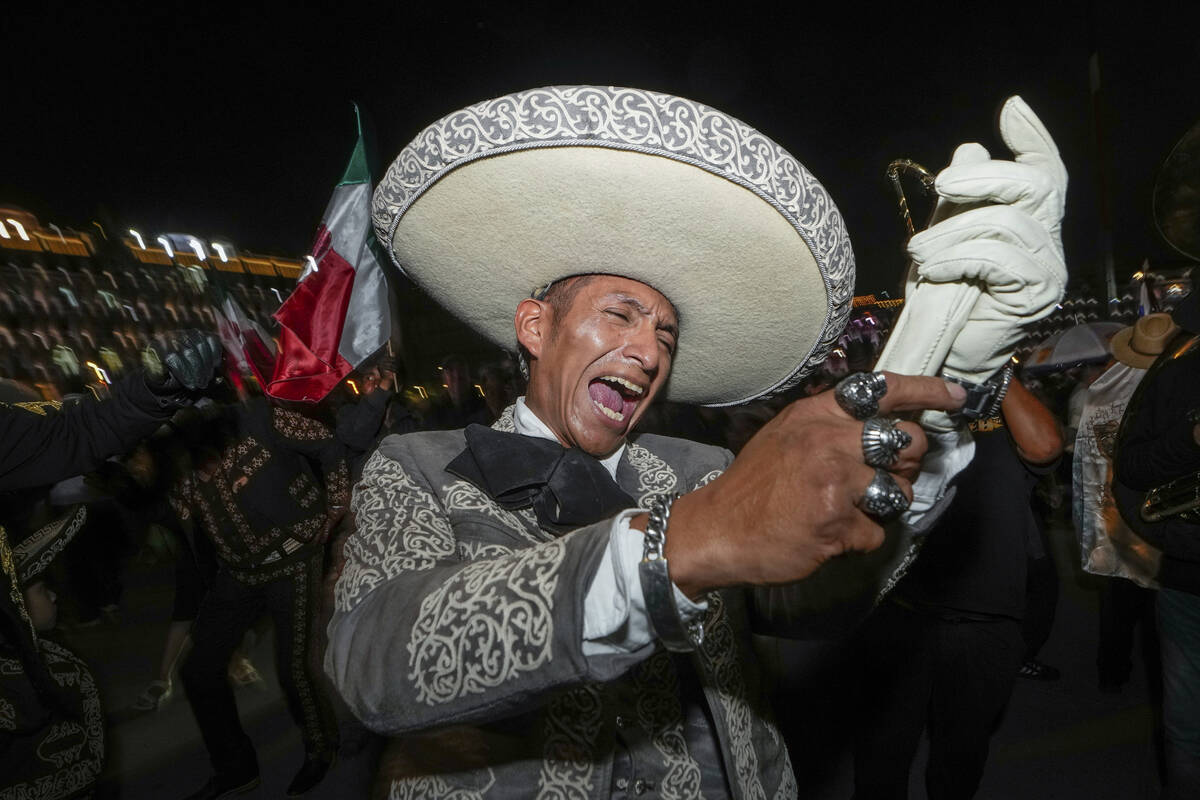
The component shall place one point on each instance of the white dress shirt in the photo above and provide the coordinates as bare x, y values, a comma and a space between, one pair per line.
614, 617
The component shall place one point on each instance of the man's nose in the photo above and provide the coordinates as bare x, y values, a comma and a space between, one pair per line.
642, 346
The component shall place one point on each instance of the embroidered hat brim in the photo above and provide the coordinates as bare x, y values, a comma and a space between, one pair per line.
495, 200
33, 553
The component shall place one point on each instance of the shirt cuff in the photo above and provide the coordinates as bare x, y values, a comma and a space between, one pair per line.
614, 613
949, 453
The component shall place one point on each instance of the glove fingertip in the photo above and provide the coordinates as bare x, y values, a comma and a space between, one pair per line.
969, 153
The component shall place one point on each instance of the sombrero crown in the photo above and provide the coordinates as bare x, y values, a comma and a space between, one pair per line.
510, 194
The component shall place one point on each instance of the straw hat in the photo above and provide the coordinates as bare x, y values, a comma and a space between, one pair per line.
1141, 343
510, 194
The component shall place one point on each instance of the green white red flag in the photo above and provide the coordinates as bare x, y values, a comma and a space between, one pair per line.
338, 315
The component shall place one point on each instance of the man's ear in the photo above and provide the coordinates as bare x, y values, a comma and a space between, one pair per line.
533, 321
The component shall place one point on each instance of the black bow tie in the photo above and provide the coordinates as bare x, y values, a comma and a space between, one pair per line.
566, 487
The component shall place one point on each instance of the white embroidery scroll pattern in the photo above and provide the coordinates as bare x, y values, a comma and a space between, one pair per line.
506, 423
654, 475
435, 787
659, 709
901, 569
707, 479
573, 721
399, 527
788, 790
647, 122
722, 652
76, 750
486, 624
476, 551
464, 496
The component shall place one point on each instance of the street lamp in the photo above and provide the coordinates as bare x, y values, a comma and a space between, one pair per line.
220, 248
4, 232
137, 237
166, 243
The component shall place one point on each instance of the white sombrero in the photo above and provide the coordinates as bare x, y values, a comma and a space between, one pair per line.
492, 201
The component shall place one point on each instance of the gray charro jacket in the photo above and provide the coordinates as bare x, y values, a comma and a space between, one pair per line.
463, 621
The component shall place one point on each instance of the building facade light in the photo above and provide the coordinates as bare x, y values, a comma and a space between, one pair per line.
20, 229
198, 248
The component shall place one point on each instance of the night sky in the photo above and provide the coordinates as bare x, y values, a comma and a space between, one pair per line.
236, 122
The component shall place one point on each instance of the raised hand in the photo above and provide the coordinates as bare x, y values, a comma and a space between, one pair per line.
792, 498
991, 262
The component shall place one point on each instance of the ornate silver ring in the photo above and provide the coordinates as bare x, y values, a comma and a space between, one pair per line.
883, 497
882, 442
859, 394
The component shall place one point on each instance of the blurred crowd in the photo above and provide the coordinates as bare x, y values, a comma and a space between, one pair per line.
64, 332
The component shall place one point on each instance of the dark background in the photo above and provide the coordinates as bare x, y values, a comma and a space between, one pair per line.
236, 121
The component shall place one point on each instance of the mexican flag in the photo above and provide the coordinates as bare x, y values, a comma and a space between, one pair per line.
337, 316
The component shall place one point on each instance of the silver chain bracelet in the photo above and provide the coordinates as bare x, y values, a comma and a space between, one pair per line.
657, 589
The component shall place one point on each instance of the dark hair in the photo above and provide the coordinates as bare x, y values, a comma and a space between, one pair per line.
560, 295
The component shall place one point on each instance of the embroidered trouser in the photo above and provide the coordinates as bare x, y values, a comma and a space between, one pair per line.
227, 611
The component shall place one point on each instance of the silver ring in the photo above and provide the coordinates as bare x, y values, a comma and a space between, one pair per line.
883, 497
882, 442
859, 394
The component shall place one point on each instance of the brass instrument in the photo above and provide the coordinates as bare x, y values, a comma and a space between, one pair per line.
894, 172
1180, 497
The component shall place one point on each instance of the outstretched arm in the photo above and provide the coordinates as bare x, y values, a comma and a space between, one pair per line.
42, 448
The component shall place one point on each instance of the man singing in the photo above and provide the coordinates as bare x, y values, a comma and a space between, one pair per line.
529, 604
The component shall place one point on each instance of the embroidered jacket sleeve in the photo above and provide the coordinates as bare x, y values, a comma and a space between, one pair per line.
316, 441
450, 609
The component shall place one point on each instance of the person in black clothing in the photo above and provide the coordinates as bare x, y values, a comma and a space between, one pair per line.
1159, 441
379, 411
268, 514
41, 443
944, 652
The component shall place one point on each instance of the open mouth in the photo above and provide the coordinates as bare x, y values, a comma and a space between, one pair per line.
615, 397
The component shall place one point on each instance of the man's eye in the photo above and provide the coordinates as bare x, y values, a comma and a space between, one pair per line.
616, 312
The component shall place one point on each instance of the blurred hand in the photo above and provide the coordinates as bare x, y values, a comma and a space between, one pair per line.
183, 360
789, 502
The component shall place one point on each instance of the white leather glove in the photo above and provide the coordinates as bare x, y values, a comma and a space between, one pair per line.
1012, 247
991, 262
